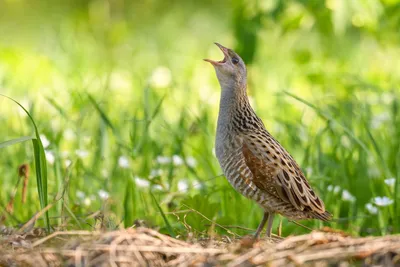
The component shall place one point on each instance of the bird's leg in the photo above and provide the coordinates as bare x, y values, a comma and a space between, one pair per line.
261, 225
269, 225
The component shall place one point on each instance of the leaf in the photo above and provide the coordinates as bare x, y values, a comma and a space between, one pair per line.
15, 141
203, 205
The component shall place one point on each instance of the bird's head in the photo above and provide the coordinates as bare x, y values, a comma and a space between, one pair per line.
231, 71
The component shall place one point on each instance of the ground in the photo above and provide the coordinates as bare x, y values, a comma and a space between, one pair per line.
147, 247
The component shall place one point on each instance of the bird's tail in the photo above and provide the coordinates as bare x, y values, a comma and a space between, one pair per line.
326, 216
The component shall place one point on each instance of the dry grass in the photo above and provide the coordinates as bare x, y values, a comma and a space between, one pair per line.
146, 247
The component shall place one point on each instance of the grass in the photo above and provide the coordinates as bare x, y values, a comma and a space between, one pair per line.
40, 161
130, 127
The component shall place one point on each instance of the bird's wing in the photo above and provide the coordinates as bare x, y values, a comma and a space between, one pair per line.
276, 172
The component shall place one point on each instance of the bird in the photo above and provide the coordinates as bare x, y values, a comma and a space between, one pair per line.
252, 160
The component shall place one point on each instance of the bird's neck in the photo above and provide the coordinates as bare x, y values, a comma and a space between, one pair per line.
233, 99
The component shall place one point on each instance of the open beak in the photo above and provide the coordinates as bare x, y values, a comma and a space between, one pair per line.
226, 55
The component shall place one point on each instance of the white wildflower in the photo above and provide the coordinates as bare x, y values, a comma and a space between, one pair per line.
183, 186
347, 196
81, 153
67, 163
196, 184
45, 141
177, 160
123, 162
163, 160
390, 181
335, 189
69, 134
49, 156
156, 173
157, 187
161, 77
383, 201
191, 161
142, 182
103, 194
379, 119
80, 194
371, 208
87, 201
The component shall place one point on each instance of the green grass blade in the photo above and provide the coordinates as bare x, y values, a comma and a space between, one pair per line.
15, 141
129, 204
101, 112
377, 150
40, 164
41, 175
57, 107
396, 193
327, 116
73, 216
167, 224
156, 110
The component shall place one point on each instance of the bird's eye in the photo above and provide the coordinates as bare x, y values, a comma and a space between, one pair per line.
235, 60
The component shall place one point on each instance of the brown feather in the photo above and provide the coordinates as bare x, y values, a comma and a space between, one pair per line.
283, 180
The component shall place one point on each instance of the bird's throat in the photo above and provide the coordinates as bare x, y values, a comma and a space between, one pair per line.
232, 100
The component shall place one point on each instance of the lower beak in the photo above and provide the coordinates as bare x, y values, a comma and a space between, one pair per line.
212, 61
226, 55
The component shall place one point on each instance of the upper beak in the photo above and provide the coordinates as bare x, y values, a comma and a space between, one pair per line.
226, 55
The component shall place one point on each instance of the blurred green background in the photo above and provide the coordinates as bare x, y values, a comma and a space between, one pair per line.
127, 109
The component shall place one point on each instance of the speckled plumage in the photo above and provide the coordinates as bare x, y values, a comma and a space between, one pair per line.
254, 162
